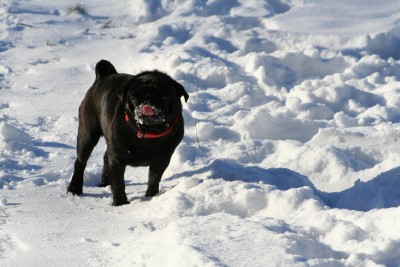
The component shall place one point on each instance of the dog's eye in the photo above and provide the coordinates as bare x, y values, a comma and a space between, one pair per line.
166, 100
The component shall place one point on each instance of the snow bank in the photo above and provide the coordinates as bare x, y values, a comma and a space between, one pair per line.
12, 135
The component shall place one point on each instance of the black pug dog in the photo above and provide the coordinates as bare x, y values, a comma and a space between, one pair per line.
140, 117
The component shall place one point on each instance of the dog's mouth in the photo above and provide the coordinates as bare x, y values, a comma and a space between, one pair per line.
149, 118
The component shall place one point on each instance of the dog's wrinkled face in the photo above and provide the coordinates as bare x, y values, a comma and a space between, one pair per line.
153, 101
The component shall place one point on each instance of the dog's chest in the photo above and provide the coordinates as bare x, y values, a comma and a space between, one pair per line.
143, 157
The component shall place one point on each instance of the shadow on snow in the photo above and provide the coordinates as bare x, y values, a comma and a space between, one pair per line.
380, 192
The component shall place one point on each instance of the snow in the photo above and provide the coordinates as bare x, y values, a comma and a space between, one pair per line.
292, 129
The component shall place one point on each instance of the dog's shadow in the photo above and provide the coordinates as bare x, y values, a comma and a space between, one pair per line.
380, 192
138, 192
96, 195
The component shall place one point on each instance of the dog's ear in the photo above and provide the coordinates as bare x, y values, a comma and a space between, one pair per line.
182, 91
103, 69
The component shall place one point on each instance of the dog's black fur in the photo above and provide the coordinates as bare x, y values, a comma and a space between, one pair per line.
112, 108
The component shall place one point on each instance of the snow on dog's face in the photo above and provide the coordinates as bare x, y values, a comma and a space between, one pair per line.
154, 100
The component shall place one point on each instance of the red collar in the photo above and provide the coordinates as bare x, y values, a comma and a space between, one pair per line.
141, 135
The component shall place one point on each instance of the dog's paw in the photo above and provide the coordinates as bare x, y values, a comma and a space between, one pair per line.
151, 193
120, 202
74, 191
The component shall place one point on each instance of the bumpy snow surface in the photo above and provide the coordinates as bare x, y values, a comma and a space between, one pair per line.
291, 147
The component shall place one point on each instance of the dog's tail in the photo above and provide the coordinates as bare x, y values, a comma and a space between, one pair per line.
104, 68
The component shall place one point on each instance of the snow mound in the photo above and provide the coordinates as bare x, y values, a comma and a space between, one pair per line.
12, 135
346, 19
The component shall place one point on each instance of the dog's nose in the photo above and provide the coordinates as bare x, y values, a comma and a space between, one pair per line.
147, 110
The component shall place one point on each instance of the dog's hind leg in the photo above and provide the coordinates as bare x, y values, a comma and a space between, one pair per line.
104, 176
88, 136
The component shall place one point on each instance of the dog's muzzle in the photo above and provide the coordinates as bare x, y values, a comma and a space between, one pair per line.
147, 114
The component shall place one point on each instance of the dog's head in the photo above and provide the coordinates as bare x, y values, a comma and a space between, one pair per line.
153, 100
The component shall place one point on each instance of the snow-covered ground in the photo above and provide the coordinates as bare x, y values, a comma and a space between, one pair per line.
291, 152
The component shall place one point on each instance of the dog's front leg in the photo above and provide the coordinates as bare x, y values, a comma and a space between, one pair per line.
116, 178
156, 170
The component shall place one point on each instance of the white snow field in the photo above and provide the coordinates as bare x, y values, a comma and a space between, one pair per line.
291, 154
